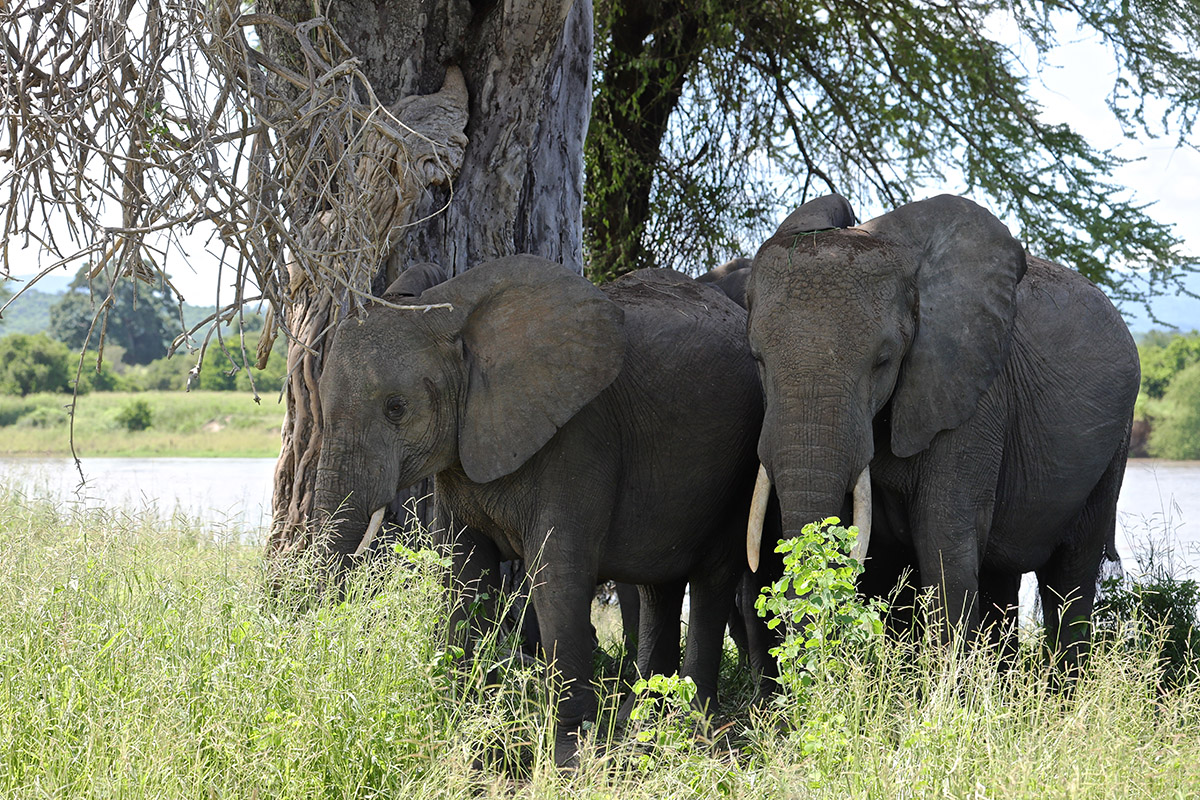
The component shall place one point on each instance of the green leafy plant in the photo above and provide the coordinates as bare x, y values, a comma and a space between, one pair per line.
1156, 609
135, 415
665, 717
818, 603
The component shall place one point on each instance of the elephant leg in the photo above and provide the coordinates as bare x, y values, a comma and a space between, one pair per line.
563, 585
1068, 581
658, 628
999, 600
628, 596
759, 638
475, 584
712, 590
951, 517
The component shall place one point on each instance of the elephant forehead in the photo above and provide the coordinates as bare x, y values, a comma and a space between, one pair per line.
374, 354
828, 259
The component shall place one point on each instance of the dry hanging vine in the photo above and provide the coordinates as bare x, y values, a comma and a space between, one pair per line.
127, 122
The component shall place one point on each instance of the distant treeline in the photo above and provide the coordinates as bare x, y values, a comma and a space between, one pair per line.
141, 321
32, 363
1167, 418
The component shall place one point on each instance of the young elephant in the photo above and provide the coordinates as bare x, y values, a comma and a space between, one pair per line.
583, 430
991, 395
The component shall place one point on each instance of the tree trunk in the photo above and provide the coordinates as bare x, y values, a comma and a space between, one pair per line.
526, 69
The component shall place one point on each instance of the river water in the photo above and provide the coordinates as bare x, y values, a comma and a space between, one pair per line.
1159, 504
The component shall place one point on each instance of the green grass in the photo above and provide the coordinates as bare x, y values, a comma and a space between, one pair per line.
194, 424
139, 659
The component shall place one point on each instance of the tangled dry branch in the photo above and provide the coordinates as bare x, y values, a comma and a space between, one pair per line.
128, 122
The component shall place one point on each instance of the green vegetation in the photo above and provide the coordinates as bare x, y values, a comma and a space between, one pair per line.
1170, 397
177, 423
33, 363
129, 313
140, 659
37, 363
701, 108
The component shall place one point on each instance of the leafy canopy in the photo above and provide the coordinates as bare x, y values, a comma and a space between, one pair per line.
139, 317
712, 118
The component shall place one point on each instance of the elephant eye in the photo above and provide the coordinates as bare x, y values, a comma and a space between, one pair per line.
393, 408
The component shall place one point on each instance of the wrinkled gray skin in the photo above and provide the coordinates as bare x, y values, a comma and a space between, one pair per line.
747, 628
576, 428
991, 394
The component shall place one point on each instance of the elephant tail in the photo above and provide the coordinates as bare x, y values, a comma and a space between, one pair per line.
1103, 500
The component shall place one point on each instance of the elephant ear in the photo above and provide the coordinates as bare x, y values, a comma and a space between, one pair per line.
540, 342
968, 266
416, 279
821, 214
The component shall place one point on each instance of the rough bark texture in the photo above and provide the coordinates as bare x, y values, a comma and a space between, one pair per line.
526, 70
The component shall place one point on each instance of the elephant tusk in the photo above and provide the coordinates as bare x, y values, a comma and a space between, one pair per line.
372, 528
758, 513
862, 515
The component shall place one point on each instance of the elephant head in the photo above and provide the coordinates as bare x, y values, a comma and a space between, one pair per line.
877, 337
478, 381
821, 214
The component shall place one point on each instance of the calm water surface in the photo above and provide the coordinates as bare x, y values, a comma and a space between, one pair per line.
1160, 500
231, 495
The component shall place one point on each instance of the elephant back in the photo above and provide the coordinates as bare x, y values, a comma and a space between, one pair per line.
663, 304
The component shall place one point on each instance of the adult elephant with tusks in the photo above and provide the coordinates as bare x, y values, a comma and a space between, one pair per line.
987, 395
583, 430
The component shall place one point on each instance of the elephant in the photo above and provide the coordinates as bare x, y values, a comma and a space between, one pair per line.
580, 429
987, 394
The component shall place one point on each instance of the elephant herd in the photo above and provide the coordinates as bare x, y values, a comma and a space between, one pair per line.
975, 401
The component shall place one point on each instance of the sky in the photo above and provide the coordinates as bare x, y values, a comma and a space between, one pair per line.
1071, 87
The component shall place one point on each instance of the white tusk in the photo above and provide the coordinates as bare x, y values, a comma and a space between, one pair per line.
372, 528
758, 513
862, 515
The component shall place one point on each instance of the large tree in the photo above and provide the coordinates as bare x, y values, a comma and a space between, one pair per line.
343, 147
710, 118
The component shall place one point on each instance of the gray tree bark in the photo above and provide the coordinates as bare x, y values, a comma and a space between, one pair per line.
525, 70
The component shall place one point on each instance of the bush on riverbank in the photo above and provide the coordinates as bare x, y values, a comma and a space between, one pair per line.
194, 424
143, 660
1168, 407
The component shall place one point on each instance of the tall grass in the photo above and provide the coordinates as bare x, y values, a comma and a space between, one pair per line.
142, 660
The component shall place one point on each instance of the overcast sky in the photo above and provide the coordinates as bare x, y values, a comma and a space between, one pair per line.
1072, 89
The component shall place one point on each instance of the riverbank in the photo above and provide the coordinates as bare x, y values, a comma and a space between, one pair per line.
143, 424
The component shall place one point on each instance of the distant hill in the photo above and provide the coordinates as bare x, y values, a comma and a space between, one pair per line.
31, 312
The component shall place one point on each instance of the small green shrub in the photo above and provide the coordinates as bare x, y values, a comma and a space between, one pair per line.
135, 415
817, 600
1157, 609
34, 363
43, 417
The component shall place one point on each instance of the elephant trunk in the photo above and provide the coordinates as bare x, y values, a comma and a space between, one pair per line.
812, 479
346, 523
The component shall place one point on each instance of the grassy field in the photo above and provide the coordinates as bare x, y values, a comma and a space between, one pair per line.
138, 660
194, 424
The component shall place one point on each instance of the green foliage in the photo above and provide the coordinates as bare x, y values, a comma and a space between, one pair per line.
1170, 396
1176, 430
194, 424
664, 718
140, 318
1155, 609
34, 363
1163, 357
817, 602
135, 415
701, 108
